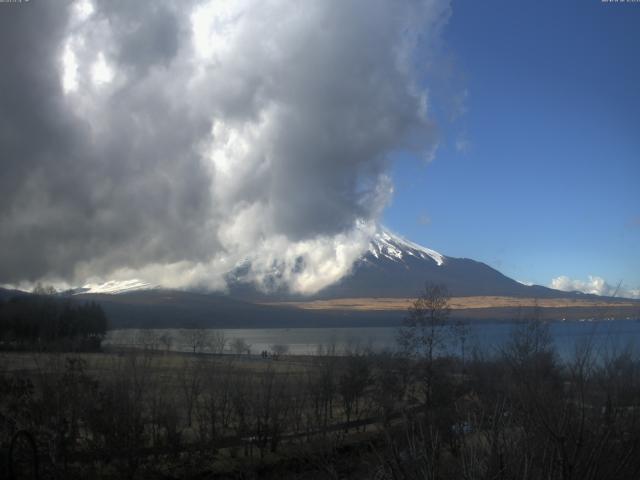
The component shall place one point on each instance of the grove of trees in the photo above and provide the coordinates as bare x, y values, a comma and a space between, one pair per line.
45, 321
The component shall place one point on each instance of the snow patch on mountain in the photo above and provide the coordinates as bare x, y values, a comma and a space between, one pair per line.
115, 286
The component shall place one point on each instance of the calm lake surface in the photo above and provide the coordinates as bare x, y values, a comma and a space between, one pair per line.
605, 336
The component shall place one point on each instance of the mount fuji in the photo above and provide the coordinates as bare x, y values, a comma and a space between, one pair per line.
396, 267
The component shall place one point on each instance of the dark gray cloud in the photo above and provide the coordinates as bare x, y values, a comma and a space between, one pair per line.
169, 140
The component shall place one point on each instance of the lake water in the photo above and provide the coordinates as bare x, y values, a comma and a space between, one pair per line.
606, 336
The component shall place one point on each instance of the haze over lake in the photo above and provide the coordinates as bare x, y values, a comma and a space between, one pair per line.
605, 336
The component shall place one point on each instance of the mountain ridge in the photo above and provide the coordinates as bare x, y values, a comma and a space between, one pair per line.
393, 266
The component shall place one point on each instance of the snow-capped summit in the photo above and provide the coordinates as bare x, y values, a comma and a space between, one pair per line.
396, 267
392, 246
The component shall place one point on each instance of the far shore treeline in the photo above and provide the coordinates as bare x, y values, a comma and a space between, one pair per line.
44, 321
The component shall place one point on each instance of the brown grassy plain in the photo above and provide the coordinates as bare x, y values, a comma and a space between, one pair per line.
459, 303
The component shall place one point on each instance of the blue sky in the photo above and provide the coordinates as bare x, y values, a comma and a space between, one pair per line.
539, 177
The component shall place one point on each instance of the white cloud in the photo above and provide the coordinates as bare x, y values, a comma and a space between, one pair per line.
101, 72
594, 285
83, 9
69, 69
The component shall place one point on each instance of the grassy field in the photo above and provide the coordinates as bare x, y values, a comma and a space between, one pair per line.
459, 303
104, 363
153, 414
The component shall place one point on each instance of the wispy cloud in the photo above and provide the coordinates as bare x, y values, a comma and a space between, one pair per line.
634, 222
462, 143
460, 104
424, 220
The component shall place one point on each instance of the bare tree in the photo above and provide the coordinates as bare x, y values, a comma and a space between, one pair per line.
269, 404
217, 341
461, 332
166, 341
191, 380
391, 382
215, 410
240, 346
530, 340
196, 339
148, 339
423, 334
40, 289
280, 349
322, 385
353, 381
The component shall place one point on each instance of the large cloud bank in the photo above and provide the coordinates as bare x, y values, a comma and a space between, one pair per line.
594, 285
170, 141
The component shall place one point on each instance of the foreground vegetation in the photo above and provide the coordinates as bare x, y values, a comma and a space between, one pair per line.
517, 412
